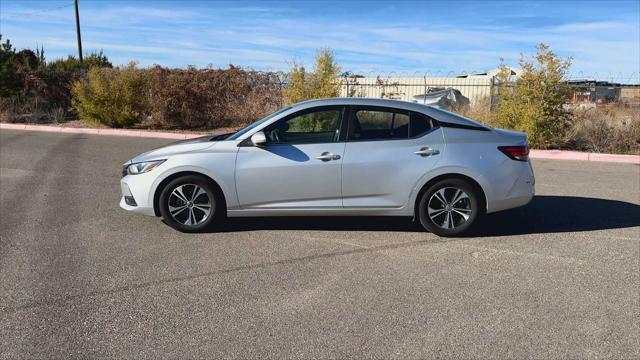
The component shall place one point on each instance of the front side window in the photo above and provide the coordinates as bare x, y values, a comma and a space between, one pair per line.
256, 124
369, 124
307, 127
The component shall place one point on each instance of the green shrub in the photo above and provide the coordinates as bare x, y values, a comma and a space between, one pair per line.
113, 97
534, 104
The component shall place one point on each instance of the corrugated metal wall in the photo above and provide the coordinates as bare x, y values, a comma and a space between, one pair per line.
405, 88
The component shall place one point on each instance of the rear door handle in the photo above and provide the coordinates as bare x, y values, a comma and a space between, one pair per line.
327, 156
427, 151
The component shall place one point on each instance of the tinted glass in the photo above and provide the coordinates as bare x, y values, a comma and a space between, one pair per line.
420, 124
263, 120
378, 124
311, 127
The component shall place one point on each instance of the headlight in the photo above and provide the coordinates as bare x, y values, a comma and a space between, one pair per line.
143, 167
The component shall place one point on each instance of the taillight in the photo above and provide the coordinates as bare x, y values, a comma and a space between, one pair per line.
520, 153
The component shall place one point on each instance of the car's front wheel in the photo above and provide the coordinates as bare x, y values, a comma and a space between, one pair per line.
190, 204
449, 207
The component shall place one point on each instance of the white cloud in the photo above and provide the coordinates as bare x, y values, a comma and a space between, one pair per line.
591, 26
266, 37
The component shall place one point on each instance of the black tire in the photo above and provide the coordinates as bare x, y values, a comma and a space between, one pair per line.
452, 215
182, 220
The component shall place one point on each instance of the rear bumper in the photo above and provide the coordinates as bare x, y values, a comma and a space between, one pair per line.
519, 193
512, 202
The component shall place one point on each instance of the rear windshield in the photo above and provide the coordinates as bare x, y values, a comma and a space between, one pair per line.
463, 119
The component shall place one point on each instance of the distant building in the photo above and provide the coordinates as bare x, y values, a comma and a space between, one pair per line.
590, 93
594, 92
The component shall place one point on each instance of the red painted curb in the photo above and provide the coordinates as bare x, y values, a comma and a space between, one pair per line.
536, 154
92, 131
558, 154
577, 155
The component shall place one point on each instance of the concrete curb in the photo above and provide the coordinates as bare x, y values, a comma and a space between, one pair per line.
536, 154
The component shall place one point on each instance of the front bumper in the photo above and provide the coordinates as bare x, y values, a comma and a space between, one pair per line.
136, 195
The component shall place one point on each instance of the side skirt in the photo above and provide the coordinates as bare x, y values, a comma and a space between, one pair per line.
320, 212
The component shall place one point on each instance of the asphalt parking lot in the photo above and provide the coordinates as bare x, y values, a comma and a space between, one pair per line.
79, 277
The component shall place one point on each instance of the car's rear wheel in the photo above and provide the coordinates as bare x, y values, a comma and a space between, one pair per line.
190, 204
449, 207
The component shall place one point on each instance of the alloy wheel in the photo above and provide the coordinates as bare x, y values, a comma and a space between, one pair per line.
449, 207
190, 204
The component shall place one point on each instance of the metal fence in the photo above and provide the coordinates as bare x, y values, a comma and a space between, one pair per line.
483, 90
476, 89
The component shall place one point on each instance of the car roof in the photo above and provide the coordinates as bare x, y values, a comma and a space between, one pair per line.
398, 104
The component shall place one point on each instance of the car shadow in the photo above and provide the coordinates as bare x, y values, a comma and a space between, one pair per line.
558, 214
287, 151
321, 223
545, 214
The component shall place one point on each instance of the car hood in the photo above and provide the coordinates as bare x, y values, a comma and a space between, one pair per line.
178, 147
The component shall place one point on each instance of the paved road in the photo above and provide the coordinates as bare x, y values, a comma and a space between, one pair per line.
79, 277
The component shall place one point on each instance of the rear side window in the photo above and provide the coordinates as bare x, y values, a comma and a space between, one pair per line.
420, 124
379, 123
369, 124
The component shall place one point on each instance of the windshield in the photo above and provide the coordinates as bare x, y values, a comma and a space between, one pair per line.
255, 124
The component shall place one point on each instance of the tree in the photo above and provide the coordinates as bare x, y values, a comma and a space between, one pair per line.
534, 104
10, 82
94, 59
297, 89
321, 83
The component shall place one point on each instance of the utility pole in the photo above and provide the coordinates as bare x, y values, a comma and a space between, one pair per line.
78, 31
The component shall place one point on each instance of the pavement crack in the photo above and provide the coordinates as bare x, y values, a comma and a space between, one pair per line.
149, 284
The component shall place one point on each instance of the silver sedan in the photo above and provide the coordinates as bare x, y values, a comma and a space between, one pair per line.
334, 157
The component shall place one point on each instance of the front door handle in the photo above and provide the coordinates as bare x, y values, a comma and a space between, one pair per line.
327, 156
427, 151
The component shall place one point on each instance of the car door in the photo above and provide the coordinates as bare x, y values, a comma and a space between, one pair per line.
388, 150
299, 167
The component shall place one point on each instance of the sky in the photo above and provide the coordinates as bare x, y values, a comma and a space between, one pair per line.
389, 38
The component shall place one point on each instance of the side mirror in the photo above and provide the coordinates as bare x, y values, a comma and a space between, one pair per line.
259, 139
